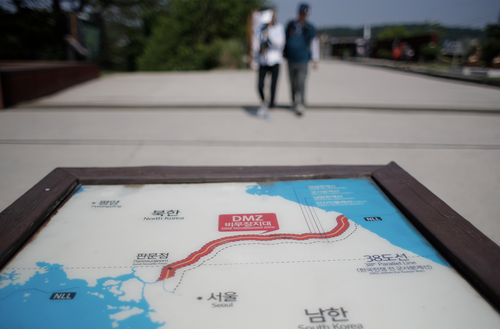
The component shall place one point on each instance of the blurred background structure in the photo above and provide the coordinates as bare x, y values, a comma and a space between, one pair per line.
151, 35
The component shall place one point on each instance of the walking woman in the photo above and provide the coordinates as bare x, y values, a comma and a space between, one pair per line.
267, 49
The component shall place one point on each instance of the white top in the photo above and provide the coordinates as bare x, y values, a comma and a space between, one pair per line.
274, 53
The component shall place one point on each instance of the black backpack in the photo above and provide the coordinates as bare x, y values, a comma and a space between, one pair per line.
305, 33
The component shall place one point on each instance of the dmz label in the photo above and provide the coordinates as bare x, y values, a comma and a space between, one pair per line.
63, 295
373, 219
248, 222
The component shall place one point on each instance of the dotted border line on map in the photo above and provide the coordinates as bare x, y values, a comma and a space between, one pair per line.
143, 266
248, 263
77, 268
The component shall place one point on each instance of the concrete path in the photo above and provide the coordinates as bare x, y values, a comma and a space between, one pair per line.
192, 119
334, 85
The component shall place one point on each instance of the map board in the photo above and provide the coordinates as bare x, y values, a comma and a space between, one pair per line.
306, 254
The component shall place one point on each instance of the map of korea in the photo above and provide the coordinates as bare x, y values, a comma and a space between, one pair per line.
315, 261
169, 270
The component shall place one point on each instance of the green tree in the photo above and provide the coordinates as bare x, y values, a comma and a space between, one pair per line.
123, 27
126, 31
491, 47
426, 29
28, 34
114, 31
393, 32
191, 35
444, 32
493, 31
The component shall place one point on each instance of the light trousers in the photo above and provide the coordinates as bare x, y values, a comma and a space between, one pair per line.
298, 73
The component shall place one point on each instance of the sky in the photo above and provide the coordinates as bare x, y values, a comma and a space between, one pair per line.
357, 13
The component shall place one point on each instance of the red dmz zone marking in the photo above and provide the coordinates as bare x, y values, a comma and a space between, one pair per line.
168, 271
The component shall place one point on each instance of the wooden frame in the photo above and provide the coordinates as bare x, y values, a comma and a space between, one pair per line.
469, 251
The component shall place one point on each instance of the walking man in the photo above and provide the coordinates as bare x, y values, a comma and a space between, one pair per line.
301, 46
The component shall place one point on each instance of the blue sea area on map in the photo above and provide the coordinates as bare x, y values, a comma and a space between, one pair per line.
28, 305
357, 199
83, 189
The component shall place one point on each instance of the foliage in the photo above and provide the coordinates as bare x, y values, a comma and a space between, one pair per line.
444, 32
231, 53
429, 52
490, 50
189, 34
27, 35
493, 31
127, 29
456, 33
167, 49
471, 50
114, 31
491, 47
342, 32
405, 31
427, 28
384, 53
345, 52
393, 32
192, 34
124, 27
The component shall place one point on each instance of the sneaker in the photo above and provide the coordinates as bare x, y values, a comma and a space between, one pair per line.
269, 116
262, 111
299, 110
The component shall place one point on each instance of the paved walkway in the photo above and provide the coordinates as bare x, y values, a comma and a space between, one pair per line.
446, 134
334, 85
